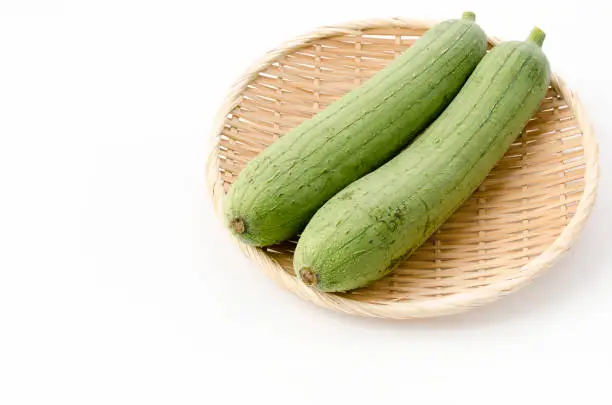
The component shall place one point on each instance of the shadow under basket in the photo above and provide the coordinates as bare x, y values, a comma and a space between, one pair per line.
523, 217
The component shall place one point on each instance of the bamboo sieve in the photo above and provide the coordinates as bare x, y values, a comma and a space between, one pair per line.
526, 213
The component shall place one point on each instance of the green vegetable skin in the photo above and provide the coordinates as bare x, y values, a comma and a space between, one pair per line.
278, 192
358, 235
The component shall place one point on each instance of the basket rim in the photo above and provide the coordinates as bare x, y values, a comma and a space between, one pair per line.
438, 306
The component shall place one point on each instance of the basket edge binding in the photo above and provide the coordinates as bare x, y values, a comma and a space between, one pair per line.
404, 309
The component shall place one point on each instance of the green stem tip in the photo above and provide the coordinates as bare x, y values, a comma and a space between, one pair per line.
537, 36
468, 15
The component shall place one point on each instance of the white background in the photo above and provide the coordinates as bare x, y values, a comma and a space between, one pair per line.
118, 285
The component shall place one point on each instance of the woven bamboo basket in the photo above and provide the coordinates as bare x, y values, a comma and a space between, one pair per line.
527, 212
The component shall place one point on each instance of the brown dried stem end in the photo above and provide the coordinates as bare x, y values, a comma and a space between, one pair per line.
237, 225
309, 277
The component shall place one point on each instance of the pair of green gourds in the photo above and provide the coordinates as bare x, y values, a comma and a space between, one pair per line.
339, 178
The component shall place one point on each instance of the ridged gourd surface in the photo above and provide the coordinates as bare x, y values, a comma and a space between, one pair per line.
279, 191
358, 235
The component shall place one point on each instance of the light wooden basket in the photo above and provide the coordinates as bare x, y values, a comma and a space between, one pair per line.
524, 216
